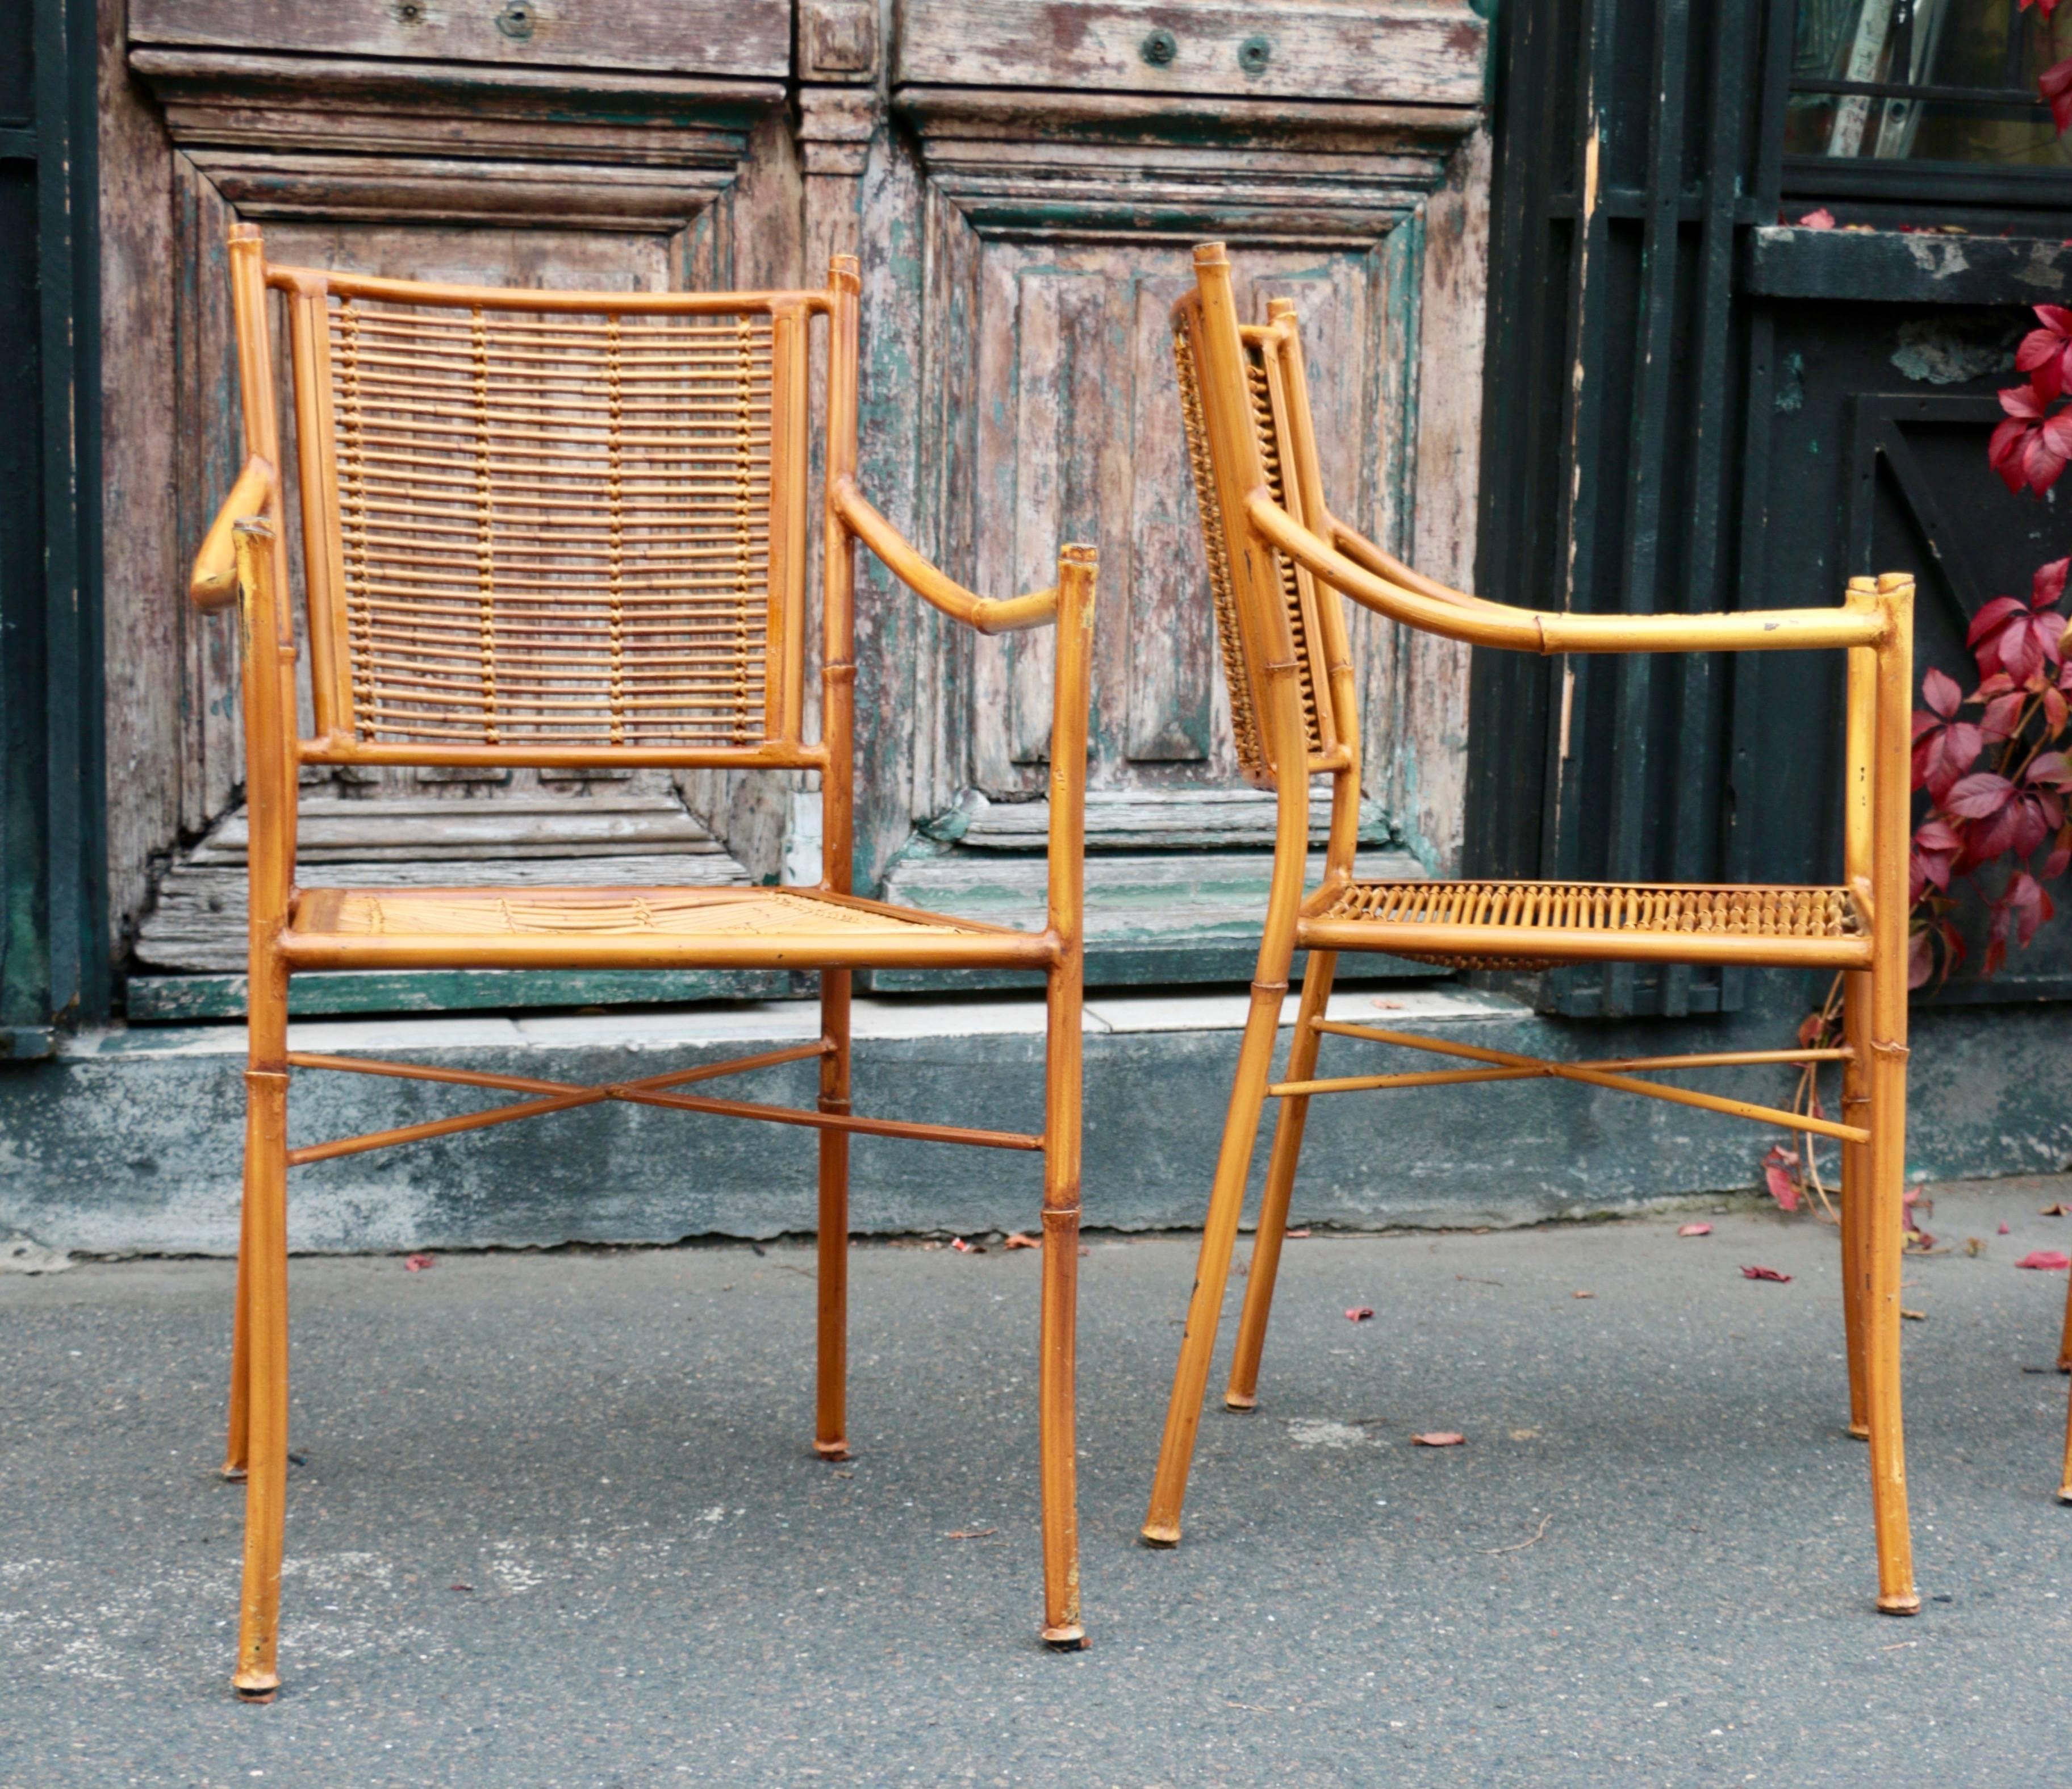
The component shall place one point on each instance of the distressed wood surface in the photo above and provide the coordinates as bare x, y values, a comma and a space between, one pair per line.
145, 613
198, 922
1429, 51
1075, 416
1429, 768
194, 999
731, 37
1019, 249
1126, 820
1151, 917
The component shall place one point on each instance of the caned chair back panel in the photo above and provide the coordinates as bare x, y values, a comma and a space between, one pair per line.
537, 524
1259, 592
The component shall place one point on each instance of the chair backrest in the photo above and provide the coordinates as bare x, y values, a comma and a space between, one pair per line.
1244, 400
544, 527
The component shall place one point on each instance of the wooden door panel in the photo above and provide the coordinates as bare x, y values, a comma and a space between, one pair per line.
1173, 680
731, 37
1401, 50
1079, 438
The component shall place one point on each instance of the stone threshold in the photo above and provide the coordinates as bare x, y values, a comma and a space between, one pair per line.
128, 1140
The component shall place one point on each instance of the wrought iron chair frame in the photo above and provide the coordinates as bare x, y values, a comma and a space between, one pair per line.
1280, 562
244, 561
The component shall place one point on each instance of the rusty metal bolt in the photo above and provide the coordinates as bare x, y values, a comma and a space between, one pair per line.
1159, 48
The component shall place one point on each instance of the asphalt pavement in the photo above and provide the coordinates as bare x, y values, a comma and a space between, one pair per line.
556, 1522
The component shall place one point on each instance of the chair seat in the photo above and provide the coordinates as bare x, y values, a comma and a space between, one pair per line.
1516, 925
635, 928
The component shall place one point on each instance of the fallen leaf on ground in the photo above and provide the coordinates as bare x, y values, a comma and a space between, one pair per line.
2048, 1260
1694, 1230
417, 1263
969, 1534
2004, 1229
1360, 1314
1017, 1241
1917, 1242
1303, 1233
1439, 1437
460, 1586
1822, 219
1387, 1005
1914, 1316
1777, 1175
2058, 1211
963, 1248
1765, 1273
1975, 1245
1582, 1295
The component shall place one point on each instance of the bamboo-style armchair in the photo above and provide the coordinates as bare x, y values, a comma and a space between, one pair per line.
1279, 562
558, 528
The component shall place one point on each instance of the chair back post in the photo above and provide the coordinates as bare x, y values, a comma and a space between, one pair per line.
1891, 807
838, 593
1076, 567
266, 629
1301, 450
1859, 812
1240, 470
268, 664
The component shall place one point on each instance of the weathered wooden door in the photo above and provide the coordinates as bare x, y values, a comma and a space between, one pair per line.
1059, 165
532, 146
1022, 185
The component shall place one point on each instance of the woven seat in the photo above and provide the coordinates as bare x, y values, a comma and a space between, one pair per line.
1520, 921
551, 528
1280, 564
798, 928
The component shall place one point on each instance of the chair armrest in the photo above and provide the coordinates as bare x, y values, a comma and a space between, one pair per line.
1481, 623
904, 560
214, 582
1363, 553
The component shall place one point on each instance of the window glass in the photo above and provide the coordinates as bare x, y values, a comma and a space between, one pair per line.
1937, 80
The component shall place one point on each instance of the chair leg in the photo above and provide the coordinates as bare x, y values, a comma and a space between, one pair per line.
1183, 1413
1856, 1195
830, 1412
265, 1274
2065, 1478
1057, 1341
2065, 1334
237, 1439
1897, 1594
1265, 1267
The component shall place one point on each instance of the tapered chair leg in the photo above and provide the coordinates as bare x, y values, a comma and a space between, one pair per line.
2065, 1478
1897, 1594
831, 1409
1265, 1267
2065, 1334
1057, 1339
1183, 1413
237, 1438
265, 1273
1856, 1190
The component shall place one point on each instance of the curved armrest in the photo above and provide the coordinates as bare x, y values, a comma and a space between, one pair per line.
904, 560
1482, 623
1363, 553
214, 582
